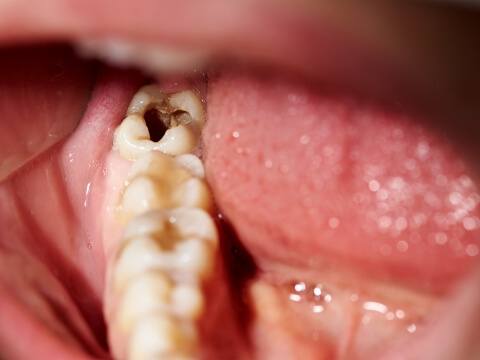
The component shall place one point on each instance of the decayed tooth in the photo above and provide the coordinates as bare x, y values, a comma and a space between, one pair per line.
182, 113
158, 336
147, 293
190, 103
132, 139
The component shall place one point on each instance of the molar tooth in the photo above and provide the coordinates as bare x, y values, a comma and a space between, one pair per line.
145, 294
193, 257
141, 195
187, 301
181, 223
189, 102
148, 97
182, 113
192, 163
193, 193
158, 336
136, 257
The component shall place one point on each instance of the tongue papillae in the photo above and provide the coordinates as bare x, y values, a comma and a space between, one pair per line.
319, 180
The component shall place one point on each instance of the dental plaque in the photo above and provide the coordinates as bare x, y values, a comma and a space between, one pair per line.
154, 295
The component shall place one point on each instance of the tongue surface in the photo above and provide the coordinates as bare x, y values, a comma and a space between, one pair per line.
317, 180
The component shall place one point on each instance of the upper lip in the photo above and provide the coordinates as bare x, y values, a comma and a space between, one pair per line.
369, 47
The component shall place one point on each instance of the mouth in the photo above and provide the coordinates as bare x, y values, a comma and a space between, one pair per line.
344, 197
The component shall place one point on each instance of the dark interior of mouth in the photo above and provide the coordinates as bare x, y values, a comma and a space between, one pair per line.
315, 183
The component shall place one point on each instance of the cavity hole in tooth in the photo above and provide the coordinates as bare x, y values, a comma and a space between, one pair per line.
155, 124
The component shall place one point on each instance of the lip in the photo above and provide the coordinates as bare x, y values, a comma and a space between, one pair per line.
353, 45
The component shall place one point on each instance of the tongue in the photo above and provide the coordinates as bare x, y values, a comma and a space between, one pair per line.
319, 180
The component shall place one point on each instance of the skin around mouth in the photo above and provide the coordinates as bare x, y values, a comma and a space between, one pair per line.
79, 181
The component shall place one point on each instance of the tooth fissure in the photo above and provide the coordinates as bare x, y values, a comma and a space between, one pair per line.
168, 247
181, 114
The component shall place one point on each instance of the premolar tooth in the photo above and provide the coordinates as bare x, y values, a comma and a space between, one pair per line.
132, 139
182, 113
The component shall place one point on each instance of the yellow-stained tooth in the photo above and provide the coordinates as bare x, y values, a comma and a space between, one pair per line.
168, 249
159, 336
182, 113
148, 292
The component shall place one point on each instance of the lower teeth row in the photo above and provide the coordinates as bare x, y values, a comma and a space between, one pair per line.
154, 295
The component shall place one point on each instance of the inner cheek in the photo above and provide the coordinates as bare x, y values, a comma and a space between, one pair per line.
54, 94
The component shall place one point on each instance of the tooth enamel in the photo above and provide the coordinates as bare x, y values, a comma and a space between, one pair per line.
192, 163
194, 193
159, 336
182, 113
146, 294
136, 257
193, 258
153, 58
143, 194
182, 223
187, 301
154, 292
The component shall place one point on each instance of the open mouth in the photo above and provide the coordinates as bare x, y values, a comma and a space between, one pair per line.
336, 200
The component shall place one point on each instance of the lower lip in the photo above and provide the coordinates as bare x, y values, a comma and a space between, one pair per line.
318, 179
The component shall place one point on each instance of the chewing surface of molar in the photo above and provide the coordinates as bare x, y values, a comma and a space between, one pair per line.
157, 181
154, 294
182, 114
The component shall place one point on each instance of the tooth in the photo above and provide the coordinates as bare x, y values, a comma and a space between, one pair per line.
153, 58
154, 291
182, 112
193, 193
132, 139
189, 233
141, 195
147, 293
189, 102
179, 223
136, 257
193, 258
192, 163
158, 336
187, 301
